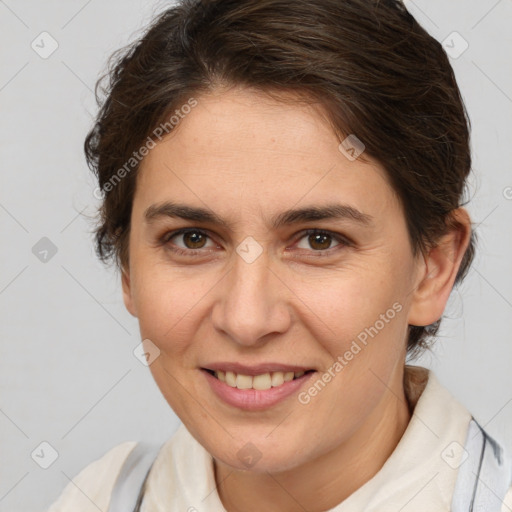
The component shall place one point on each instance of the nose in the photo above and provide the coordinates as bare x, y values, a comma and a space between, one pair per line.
252, 302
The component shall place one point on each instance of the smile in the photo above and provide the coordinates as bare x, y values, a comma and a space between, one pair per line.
255, 392
261, 382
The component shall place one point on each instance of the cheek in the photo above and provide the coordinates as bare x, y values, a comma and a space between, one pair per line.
360, 322
171, 304
345, 304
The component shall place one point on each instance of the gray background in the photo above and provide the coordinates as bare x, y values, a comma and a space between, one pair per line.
67, 370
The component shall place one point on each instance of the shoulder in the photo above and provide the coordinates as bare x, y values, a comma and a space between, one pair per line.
90, 490
507, 502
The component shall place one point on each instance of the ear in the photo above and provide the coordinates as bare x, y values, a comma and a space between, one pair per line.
438, 271
127, 291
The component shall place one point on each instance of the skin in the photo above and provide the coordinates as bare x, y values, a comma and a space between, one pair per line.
248, 157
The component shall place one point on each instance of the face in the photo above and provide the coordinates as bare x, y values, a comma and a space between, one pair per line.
233, 280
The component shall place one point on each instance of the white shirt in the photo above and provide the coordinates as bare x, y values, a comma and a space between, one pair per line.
415, 478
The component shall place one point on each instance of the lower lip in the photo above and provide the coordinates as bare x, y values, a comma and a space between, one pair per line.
255, 399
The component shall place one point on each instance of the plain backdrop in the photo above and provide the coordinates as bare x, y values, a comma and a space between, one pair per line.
68, 374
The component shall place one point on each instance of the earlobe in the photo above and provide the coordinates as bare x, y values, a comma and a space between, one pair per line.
440, 268
127, 291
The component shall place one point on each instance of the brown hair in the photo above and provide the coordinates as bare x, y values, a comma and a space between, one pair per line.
378, 74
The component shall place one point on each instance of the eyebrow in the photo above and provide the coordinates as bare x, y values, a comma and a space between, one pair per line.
286, 218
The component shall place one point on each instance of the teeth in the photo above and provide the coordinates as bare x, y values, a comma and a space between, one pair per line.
261, 382
230, 379
243, 381
277, 379
288, 376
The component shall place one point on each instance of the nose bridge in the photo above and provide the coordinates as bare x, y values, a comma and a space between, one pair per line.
252, 302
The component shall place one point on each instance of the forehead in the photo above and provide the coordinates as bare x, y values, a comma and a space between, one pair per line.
225, 121
244, 148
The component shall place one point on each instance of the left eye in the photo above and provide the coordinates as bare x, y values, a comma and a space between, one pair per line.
320, 240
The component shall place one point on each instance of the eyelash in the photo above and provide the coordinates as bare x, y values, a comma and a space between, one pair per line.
165, 239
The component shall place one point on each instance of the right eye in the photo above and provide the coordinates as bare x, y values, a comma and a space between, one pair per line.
190, 236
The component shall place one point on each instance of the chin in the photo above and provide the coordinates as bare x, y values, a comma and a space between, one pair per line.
260, 456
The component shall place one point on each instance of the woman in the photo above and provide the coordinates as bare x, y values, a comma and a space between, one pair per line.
281, 188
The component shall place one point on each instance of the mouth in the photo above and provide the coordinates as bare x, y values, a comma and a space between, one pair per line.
255, 387
261, 382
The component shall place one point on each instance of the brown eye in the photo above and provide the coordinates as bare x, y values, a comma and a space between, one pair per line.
321, 241
191, 240
194, 239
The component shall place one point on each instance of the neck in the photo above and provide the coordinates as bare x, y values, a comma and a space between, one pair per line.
328, 480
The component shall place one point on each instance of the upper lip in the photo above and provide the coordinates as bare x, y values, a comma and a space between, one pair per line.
255, 369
